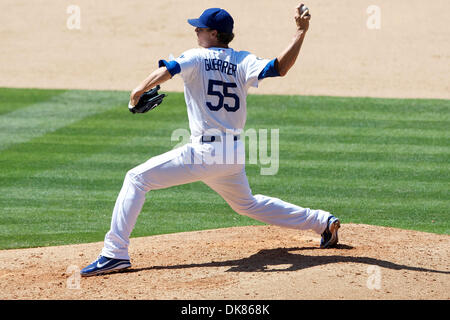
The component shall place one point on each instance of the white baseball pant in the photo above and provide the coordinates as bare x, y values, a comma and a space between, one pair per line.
191, 163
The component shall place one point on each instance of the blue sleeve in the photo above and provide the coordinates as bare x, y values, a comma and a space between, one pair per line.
269, 71
172, 66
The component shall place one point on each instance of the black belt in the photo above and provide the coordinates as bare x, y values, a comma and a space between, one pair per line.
216, 138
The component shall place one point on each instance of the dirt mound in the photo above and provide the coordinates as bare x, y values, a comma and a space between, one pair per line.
257, 262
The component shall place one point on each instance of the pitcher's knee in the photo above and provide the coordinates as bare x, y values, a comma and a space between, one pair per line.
135, 180
245, 208
130, 175
255, 205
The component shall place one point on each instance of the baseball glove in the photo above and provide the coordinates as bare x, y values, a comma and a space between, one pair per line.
148, 101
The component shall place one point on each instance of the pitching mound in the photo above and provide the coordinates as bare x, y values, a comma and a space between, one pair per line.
258, 262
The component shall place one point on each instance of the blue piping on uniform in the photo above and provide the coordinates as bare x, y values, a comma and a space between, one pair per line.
172, 66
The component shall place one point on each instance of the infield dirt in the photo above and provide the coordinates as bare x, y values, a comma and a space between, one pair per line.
120, 42
257, 262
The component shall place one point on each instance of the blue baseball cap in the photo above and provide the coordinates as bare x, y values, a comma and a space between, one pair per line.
214, 18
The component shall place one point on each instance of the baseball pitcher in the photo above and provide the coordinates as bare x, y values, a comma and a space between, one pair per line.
216, 81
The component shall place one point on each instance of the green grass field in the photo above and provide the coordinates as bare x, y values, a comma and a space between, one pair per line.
64, 154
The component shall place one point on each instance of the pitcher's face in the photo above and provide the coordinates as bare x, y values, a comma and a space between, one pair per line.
206, 37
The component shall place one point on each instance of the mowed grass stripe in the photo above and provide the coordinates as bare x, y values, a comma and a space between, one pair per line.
153, 219
74, 173
362, 171
369, 148
58, 192
360, 138
351, 112
65, 179
100, 168
86, 175
12, 99
330, 122
95, 134
38, 161
53, 200
54, 215
367, 174
421, 109
351, 152
363, 132
58, 111
365, 171
349, 137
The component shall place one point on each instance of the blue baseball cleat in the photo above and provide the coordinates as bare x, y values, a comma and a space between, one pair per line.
330, 235
104, 265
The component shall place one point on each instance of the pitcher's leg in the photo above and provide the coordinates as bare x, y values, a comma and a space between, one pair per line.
128, 205
159, 172
281, 213
236, 191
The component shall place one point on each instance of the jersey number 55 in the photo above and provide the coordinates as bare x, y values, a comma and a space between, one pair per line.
221, 94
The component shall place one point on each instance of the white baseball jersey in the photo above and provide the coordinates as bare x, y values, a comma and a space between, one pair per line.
216, 82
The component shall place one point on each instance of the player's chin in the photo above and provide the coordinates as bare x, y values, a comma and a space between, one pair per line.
200, 42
